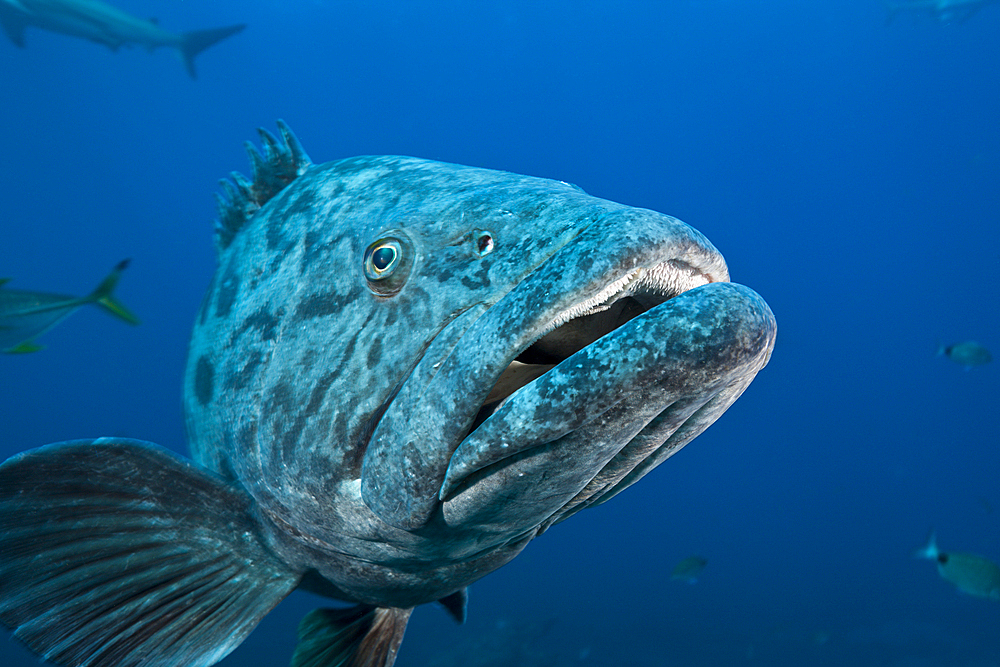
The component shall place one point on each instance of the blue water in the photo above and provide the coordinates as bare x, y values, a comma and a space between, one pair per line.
848, 170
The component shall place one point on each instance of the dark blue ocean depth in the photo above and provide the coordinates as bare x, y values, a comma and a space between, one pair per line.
848, 170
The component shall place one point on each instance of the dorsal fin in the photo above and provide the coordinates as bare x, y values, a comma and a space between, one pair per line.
282, 162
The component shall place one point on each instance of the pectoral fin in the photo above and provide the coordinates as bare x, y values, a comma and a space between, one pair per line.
358, 636
117, 553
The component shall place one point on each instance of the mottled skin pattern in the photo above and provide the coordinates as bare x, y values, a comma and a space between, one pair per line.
402, 372
345, 412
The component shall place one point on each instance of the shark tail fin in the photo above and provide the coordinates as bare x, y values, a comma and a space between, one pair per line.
359, 636
196, 41
118, 553
103, 296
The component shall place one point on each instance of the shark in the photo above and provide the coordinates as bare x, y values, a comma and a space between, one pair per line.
105, 24
943, 11
402, 372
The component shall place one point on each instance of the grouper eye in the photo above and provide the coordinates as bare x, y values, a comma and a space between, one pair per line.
386, 265
483, 242
382, 258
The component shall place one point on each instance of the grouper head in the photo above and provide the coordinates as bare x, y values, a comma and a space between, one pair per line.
415, 367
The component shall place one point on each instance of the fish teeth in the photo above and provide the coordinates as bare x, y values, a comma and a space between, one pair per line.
601, 301
664, 280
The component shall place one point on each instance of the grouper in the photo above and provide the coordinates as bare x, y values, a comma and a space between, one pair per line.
402, 372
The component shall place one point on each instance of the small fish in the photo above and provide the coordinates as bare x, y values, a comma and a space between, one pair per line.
969, 573
24, 316
942, 11
688, 569
968, 353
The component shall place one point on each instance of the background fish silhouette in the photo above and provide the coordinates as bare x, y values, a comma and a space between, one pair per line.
24, 315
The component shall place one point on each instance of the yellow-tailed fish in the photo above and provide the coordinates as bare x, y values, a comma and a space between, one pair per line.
24, 316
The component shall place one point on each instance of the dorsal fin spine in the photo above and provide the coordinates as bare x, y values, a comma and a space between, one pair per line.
271, 148
281, 163
244, 186
295, 149
258, 166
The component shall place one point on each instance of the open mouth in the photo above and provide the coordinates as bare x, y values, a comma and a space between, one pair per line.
594, 423
625, 299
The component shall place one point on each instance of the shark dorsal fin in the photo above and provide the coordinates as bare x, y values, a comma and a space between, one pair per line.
282, 162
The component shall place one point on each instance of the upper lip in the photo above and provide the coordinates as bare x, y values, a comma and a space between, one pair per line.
571, 330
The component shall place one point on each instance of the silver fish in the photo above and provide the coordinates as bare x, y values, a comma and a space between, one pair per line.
24, 316
402, 372
969, 573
